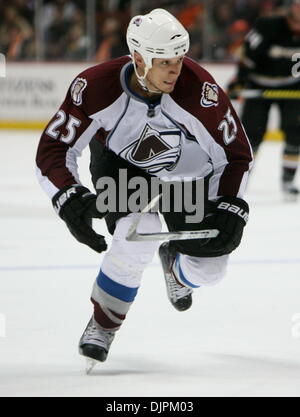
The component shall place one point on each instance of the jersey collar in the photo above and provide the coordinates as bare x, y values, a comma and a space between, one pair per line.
125, 75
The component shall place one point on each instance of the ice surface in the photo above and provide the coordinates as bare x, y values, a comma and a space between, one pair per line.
240, 338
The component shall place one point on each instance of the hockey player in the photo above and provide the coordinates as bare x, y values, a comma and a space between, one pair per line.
156, 113
267, 63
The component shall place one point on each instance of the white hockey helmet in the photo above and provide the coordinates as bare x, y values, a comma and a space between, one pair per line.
157, 34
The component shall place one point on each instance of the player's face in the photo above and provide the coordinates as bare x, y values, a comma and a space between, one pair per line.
164, 73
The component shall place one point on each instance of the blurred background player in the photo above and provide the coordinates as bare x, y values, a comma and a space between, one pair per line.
266, 63
157, 114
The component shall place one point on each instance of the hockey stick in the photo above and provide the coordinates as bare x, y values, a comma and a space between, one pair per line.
267, 94
133, 235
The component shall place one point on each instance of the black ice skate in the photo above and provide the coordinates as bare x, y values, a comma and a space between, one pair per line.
290, 192
95, 343
179, 295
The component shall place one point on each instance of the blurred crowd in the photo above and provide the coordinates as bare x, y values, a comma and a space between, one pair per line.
60, 30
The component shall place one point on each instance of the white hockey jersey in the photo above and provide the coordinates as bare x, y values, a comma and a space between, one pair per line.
192, 132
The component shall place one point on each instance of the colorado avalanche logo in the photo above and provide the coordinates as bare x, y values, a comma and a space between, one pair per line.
154, 150
210, 95
77, 89
137, 21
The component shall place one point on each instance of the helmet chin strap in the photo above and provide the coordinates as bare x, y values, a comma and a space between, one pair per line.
142, 80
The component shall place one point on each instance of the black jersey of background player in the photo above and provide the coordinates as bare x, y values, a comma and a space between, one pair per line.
268, 51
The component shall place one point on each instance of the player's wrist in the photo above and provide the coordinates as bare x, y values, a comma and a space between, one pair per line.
67, 194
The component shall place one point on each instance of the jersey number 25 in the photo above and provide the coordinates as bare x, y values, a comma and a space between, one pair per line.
71, 126
229, 128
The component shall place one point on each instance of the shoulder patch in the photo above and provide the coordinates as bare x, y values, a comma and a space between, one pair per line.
77, 89
210, 95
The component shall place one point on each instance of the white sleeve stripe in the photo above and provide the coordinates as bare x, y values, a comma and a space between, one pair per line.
243, 185
71, 164
85, 138
46, 184
75, 151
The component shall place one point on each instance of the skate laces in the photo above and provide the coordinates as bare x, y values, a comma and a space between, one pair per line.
94, 333
177, 290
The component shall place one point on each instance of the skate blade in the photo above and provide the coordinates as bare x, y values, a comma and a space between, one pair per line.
89, 365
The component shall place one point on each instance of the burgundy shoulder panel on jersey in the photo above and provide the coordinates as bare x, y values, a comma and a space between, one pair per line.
197, 92
103, 85
91, 91
189, 85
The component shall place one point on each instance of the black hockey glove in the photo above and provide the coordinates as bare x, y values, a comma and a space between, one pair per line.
229, 216
76, 205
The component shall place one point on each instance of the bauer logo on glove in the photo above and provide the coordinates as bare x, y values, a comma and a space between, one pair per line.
63, 198
234, 209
